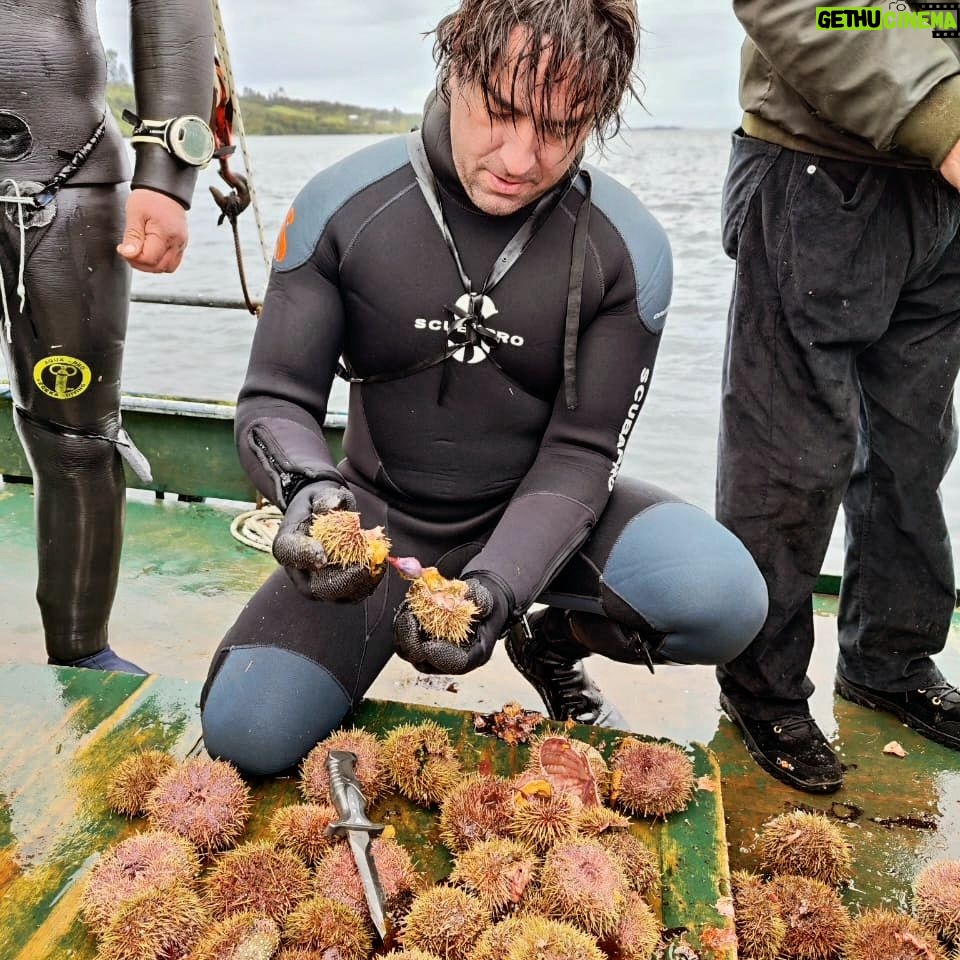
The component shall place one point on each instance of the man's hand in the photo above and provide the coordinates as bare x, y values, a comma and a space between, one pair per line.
950, 168
155, 235
429, 655
305, 560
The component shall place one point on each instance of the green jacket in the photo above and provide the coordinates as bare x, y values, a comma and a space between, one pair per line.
888, 96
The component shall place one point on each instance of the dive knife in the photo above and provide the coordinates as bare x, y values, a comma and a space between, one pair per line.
356, 826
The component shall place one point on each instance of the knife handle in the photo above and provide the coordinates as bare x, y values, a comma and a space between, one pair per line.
347, 796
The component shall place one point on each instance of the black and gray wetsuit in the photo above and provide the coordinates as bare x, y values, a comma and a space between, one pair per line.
63, 347
476, 463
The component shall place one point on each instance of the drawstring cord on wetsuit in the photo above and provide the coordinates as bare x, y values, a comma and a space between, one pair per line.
43, 198
19, 200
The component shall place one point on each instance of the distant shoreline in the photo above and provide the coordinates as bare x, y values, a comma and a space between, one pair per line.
277, 115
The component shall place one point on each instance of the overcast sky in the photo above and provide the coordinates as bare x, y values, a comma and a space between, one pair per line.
372, 53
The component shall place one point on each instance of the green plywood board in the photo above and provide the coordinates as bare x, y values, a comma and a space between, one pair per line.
77, 725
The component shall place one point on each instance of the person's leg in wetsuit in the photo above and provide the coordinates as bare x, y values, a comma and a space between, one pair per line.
64, 352
659, 578
658, 581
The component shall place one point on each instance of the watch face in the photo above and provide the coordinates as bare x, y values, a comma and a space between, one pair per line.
191, 140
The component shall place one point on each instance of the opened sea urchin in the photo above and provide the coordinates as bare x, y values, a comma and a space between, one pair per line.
442, 607
346, 544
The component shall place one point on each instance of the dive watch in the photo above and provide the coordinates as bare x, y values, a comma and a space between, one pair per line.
187, 138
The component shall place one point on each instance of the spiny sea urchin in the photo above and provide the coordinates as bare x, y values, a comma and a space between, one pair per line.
596, 821
650, 779
256, 877
496, 871
154, 925
446, 921
477, 808
329, 927
369, 769
543, 939
441, 606
807, 845
154, 859
346, 543
410, 955
421, 762
301, 828
570, 766
936, 898
242, 936
584, 885
892, 936
542, 817
816, 919
636, 935
134, 778
639, 862
495, 941
203, 800
336, 876
759, 924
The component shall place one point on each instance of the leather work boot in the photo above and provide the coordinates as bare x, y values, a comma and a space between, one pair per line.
933, 711
552, 662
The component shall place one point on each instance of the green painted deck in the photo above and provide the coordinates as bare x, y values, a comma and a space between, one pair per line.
183, 580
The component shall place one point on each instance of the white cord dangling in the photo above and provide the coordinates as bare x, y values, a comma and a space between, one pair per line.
21, 288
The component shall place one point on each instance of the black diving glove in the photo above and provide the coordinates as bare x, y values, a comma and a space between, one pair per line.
303, 557
429, 655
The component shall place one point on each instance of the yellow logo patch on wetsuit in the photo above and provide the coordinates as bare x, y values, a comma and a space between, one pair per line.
61, 377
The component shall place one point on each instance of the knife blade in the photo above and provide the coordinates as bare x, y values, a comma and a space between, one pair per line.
358, 828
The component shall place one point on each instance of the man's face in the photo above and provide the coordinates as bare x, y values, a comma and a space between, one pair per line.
500, 160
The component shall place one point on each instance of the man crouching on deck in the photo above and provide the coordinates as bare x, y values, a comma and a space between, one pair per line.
497, 307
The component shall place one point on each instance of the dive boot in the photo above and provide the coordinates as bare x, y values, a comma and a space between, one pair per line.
542, 649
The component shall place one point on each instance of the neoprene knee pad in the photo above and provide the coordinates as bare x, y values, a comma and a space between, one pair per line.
265, 708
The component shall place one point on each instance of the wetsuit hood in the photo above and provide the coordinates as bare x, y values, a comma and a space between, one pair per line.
436, 141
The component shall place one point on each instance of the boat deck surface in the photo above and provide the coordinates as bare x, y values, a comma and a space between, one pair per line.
183, 580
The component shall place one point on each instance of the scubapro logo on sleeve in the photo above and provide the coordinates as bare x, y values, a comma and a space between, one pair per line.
633, 411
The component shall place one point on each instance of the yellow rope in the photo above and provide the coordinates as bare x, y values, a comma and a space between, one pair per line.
257, 528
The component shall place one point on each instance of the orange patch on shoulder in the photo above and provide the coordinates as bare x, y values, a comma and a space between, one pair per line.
281, 251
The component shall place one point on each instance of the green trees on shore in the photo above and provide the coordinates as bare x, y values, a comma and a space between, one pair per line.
278, 114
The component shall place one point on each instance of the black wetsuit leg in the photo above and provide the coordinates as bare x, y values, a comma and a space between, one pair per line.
290, 669
667, 571
64, 359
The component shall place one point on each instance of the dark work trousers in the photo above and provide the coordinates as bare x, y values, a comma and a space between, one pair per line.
64, 353
843, 345
290, 668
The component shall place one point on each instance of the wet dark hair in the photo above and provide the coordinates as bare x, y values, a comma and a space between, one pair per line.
589, 44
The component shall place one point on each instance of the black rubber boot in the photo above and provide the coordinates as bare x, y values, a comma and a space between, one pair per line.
552, 661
